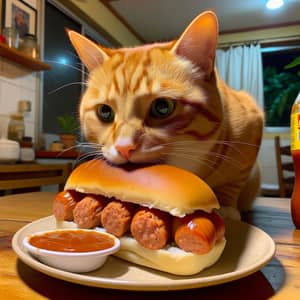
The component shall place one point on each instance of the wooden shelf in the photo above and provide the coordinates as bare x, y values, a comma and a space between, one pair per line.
57, 154
22, 59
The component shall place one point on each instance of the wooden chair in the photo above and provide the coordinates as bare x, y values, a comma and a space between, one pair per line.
28, 177
285, 168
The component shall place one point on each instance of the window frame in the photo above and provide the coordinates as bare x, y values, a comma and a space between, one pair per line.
275, 47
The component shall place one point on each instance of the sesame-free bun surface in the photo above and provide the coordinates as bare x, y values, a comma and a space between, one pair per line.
164, 187
170, 259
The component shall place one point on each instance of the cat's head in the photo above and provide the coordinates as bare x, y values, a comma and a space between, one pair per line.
141, 102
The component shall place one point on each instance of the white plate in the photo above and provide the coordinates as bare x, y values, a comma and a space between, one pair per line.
247, 250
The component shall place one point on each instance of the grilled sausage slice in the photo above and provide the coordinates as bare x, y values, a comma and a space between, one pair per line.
151, 228
64, 204
196, 233
87, 212
116, 217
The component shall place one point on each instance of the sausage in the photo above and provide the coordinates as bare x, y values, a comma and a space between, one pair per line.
116, 217
64, 203
195, 233
151, 228
87, 212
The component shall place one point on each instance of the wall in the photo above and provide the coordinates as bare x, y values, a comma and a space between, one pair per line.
17, 83
263, 35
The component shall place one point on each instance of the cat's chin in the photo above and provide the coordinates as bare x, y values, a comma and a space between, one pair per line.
135, 165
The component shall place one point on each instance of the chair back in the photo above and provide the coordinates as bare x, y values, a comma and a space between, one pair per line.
285, 168
33, 175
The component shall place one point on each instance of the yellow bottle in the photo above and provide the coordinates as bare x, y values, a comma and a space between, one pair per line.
295, 150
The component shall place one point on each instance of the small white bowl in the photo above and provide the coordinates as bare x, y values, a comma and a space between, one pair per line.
9, 151
77, 262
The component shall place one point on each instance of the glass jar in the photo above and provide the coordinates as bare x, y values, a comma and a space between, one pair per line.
16, 127
27, 153
11, 37
29, 45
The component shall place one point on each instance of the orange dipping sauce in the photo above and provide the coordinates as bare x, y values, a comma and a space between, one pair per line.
72, 241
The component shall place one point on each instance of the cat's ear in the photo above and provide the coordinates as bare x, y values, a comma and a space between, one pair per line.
199, 41
90, 53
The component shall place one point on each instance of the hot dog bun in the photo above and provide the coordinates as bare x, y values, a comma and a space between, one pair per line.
164, 187
170, 259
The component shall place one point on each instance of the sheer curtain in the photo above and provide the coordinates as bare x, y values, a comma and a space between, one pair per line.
241, 68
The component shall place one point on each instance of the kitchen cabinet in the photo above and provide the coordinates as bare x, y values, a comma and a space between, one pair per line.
22, 59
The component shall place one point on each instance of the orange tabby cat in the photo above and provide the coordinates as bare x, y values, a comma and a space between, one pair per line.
164, 103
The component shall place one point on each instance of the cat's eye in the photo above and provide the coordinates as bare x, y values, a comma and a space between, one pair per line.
105, 113
162, 107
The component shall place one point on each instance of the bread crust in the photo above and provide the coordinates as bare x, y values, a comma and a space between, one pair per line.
164, 187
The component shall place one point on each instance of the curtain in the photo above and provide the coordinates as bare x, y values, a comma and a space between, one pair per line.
241, 68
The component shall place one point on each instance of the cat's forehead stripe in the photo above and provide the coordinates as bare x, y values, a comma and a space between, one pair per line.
143, 71
128, 76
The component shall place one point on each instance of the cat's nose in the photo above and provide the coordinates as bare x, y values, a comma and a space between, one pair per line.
125, 150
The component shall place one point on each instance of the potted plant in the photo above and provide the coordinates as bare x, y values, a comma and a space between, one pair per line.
68, 125
280, 90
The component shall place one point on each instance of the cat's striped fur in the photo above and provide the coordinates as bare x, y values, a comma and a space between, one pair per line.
212, 130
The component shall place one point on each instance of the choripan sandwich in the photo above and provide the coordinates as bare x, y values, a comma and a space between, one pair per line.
165, 217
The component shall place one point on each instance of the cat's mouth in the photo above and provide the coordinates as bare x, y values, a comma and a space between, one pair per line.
129, 166
136, 163
132, 165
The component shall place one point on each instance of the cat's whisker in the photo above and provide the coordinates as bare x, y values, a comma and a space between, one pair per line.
232, 146
234, 162
152, 149
65, 150
67, 65
222, 142
89, 145
93, 155
80, 146
198, 151
66, 85
189, 144
207, 162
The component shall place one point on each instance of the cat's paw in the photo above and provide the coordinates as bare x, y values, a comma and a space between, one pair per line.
228, 212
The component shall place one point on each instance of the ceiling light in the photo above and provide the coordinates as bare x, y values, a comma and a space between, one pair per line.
274, 4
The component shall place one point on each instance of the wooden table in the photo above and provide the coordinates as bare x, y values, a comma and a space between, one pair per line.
280, 279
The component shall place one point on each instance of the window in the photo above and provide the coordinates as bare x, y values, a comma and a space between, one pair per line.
281, 84
63, 84
60, 91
